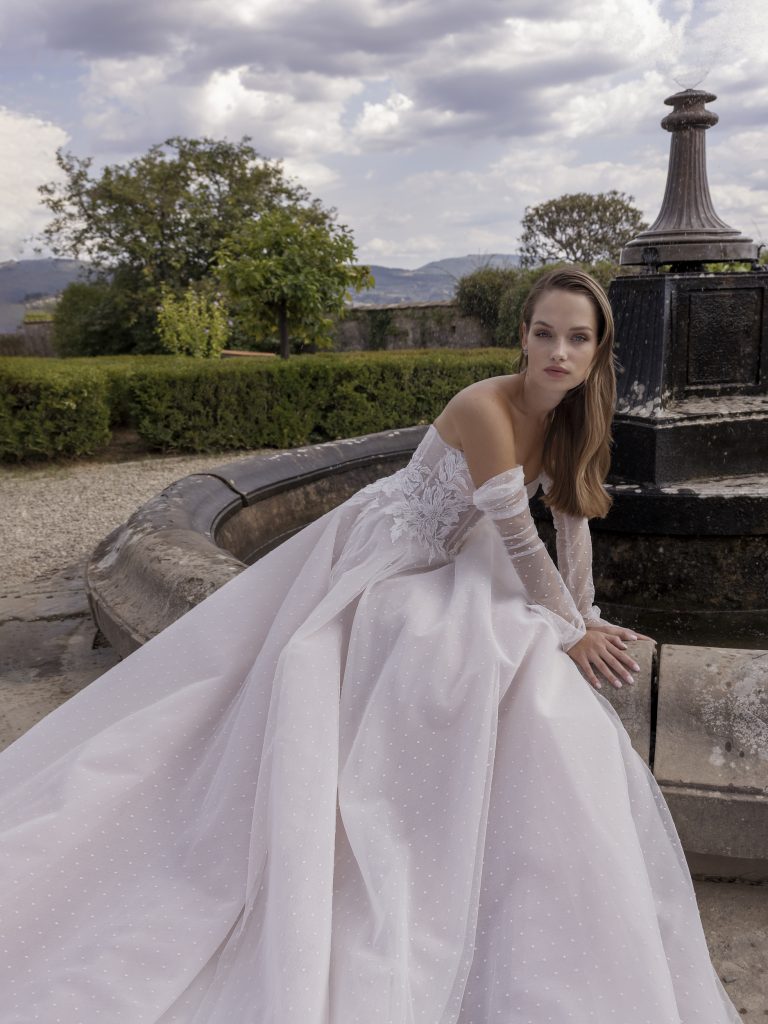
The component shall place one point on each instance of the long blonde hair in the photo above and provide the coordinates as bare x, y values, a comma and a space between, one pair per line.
577, 452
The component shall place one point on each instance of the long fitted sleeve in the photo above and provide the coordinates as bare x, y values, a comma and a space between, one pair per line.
574, 558
504, 500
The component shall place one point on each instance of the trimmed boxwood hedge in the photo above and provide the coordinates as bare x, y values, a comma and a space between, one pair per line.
49, 408
52, 407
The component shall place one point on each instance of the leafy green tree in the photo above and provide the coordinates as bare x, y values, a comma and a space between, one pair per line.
90, 320
579, 228
161, 218
165, 213
479, 293
192, 324
289, 273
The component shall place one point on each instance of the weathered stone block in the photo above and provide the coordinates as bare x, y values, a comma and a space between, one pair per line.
711, 755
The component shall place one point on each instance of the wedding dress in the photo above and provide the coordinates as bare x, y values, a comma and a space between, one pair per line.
362, 783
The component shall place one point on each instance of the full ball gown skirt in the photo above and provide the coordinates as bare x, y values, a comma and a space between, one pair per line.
361, 782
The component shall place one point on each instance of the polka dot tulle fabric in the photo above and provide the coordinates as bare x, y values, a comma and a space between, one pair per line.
362, 783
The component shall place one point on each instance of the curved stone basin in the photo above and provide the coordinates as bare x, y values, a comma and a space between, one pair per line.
697, 715
203, 530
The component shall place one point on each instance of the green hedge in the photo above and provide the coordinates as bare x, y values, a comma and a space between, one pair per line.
66, 407
50, 408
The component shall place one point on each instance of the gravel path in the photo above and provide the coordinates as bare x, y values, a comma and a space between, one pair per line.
52, 516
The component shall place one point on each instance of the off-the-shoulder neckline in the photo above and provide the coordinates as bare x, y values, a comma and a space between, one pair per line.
460, 452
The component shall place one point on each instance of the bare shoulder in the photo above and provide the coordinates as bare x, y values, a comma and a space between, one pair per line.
479, 422
482, 398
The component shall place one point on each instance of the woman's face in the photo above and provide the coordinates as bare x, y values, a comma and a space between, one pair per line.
562, 336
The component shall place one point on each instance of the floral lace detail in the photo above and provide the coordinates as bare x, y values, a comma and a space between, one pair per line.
384, 486
424, 499
433, 499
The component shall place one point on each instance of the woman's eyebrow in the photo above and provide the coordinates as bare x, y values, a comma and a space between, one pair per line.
545, 324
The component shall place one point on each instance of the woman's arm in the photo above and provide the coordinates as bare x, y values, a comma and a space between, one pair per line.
574, 559
504, 499
487, 437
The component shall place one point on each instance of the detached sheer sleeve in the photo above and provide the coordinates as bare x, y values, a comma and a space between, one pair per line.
504, 500
574, 559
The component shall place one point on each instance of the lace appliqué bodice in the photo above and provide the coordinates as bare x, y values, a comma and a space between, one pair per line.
433, 499
430, 499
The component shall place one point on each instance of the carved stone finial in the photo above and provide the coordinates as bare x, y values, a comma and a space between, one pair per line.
687, 229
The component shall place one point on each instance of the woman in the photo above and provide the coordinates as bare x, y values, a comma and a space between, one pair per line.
367, 780
557, 409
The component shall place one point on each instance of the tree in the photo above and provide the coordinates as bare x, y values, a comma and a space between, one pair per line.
165, 213
161, 218
90, 320
288, 272
579, 228
193, 324
479, 293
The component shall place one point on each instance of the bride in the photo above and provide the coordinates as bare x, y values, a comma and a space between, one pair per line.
371, 780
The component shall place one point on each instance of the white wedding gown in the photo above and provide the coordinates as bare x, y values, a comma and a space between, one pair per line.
362, 783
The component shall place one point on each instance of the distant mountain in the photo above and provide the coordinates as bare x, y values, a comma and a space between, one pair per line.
25, 281
434, 282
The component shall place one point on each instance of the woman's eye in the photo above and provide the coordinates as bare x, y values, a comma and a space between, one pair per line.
542, 334
580, 337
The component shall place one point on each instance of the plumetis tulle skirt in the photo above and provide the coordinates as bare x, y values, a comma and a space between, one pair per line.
350, 786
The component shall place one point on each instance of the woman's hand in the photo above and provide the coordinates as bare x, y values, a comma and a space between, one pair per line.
621, 631
602, 649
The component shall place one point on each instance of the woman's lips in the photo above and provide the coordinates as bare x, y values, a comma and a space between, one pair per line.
559, 373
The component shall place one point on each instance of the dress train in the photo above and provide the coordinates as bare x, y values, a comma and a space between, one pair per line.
361, 782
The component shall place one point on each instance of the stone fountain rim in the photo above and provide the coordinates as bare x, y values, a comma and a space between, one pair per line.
164, 559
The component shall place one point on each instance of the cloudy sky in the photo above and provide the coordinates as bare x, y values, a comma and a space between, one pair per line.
429, 124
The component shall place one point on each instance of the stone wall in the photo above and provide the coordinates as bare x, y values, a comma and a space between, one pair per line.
365, 328
420, 325
29, 340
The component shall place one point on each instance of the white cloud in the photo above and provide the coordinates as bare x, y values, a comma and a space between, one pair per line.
27, 148
379, 119
310, 173
145, 100
479, 211
721, 36
624, 108
429, 125
126, 100
423, 247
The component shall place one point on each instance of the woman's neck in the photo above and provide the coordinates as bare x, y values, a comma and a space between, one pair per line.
534, 402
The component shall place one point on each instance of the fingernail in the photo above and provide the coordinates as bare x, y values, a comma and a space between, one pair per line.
635, 666
632, 636
623, 644
617, 683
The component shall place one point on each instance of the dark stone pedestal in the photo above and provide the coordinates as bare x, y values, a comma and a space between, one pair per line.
684, 563
693, 377
683, 553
